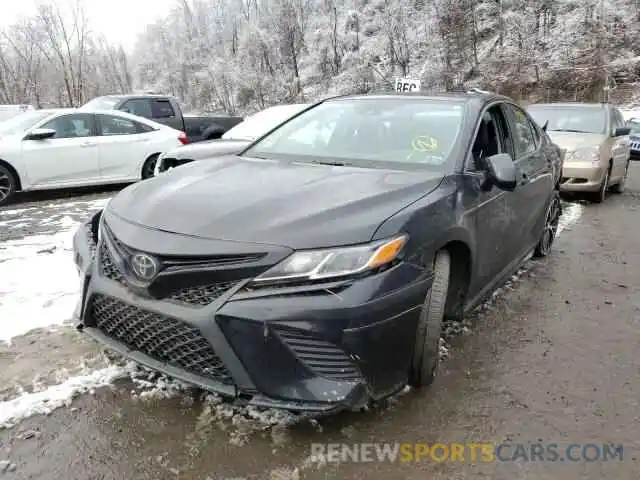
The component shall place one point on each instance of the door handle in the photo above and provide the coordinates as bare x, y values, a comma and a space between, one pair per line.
88, 145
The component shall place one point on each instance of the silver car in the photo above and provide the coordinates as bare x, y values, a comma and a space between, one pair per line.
596, 139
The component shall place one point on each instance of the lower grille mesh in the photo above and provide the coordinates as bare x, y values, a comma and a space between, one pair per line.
163, 338
322, 357
108, 267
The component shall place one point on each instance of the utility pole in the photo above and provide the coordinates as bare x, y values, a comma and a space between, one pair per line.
603, 35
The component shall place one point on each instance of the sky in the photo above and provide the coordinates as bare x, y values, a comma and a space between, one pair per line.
119, 20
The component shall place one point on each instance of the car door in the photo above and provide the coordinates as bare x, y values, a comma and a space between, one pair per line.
69, 158
621, 146
492, 213
122, 145
535, 177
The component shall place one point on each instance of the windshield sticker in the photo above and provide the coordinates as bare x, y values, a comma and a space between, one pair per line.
425, 144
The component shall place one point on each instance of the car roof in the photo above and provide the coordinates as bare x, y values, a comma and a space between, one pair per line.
571, 104
477, 97
125, 96
53, 111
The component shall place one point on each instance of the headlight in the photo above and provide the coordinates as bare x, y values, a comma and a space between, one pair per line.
335, 262
585, 154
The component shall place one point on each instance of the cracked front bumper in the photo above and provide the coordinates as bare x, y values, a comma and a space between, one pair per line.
300, 349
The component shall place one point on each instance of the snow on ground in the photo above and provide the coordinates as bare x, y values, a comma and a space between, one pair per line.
39, 285
29, 295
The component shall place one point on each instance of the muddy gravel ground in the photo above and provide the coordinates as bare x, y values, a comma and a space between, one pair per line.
554, 358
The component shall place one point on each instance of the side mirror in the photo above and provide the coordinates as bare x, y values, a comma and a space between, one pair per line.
502, 171
41, 134
621, 132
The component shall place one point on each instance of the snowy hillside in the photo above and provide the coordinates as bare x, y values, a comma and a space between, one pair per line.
238, 54
241, 55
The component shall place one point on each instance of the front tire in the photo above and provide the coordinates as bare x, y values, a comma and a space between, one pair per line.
601, 195
8, 185
426, 354
551, 222
619, 187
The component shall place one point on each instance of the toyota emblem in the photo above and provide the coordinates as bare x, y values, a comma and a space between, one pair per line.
144, 266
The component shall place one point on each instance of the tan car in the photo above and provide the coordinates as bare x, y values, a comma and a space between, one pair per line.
596, 139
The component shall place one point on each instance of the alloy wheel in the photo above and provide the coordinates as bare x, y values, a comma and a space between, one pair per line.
6, 185
551, 225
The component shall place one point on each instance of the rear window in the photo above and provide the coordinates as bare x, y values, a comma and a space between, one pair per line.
388, 130
162, 109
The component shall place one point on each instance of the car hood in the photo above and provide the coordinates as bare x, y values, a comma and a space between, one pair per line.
210, 148
572, 141
272, 202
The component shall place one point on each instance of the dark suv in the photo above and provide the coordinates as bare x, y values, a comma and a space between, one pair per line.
634, 137
312, 270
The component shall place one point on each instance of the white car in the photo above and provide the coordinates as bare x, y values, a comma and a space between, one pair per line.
233, 141
60, 148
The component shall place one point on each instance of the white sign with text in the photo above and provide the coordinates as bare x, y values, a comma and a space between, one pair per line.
407, 85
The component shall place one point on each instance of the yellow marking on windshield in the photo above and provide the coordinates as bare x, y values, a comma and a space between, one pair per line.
424, 143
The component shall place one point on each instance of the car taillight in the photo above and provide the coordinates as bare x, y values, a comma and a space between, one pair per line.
183, 138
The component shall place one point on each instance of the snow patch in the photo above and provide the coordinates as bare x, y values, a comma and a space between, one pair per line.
571, 214
39, 285
56, 396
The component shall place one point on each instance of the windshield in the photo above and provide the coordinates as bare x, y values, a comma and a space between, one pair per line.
576, 119
22, 122
260, 123
101, 103
634, 125
391, 130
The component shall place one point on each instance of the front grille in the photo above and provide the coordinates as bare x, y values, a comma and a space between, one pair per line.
163, 338
108, 268
202, 294
91, 241
635, 145
322, 357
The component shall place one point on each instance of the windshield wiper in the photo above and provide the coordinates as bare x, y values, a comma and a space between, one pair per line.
333, 164
569, 130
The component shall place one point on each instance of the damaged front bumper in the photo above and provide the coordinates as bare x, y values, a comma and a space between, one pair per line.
319, 349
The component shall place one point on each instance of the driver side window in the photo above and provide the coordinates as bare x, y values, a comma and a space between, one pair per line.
491, 138
71, 126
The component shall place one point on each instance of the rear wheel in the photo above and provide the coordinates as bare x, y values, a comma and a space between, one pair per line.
619, 187
149, 166
426, 354
8, 185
